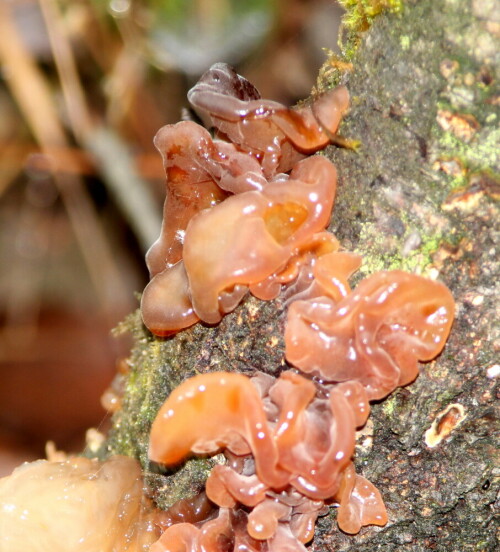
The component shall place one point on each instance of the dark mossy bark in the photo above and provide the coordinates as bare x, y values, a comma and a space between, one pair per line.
419, 195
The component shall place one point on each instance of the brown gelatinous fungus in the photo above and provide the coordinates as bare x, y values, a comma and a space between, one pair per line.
360, 503
374, 335
190, 188
252, 236
213, 248
276, 135
234, 223
211, 411
288, 451
166, 303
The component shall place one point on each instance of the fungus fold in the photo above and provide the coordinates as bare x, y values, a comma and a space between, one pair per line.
299, 446
374, 335
212, 248
276, 135
251, 236
246, 211
211, 411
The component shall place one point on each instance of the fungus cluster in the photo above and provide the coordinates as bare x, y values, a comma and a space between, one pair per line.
246, 212
234, 219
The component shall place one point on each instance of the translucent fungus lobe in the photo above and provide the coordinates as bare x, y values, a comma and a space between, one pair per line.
253, 235
375, 335
211, 411
277, 135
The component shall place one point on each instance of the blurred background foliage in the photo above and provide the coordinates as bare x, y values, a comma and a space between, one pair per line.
84, 87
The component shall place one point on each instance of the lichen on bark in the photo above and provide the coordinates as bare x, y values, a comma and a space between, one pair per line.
419, 194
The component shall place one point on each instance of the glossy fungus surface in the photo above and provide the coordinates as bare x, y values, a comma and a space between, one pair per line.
251, 236
276, 135
234, 220
247, 212
374, 335
208, 412
80, 505
166, 302
288, 450
190, 187
360, 503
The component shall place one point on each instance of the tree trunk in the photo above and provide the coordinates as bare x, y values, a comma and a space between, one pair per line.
418, 195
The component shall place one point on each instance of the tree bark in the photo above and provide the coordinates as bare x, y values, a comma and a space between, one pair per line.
419, 194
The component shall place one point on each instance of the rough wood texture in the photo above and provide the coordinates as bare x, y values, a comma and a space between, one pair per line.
420, 194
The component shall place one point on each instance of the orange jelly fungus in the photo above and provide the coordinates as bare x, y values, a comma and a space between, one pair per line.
360, 502
235, 223
190, 188
224, 410
374, 335
277, 135
212, 248
80, 505
238, 244
253, 235
190, 421
288, 452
